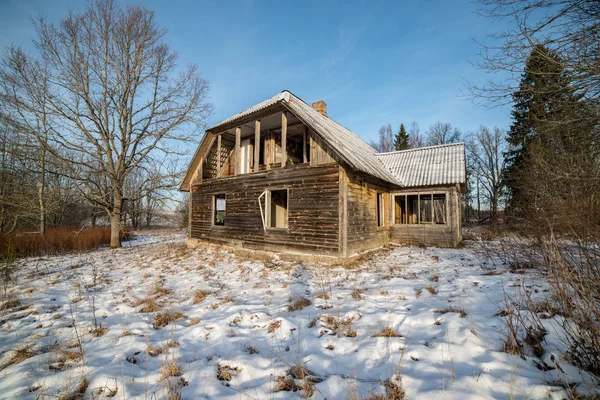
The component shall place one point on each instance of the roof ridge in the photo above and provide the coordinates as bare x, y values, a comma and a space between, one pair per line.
420, 148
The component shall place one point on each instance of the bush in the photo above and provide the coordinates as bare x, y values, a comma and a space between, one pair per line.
55, 241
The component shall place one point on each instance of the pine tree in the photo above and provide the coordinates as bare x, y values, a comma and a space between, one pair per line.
401, 139
547, 114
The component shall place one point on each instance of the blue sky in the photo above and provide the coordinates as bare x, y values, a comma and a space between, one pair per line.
372, 62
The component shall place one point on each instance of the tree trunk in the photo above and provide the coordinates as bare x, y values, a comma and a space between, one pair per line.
115, 220
41, 191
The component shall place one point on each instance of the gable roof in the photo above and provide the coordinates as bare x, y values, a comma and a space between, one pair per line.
428, 166
344, 143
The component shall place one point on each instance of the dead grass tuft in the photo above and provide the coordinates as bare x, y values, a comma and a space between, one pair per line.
159, 289
163, 319
10, 304
200, 295
194, 321
171, 368
77, 392
435, 278
357, 294
18, 356
393, 392
285, 384
299, 303
225, 372
100, 331
461, 313
154, 351
388, 331
150, 305
431, 289
273, 326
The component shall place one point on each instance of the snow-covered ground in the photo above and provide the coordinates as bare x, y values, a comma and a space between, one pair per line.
228, 327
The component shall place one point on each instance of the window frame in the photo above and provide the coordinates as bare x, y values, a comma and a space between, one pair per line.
268, 209
214, 209
419, 194
380, 210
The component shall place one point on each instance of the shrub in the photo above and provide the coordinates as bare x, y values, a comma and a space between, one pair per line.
55, 241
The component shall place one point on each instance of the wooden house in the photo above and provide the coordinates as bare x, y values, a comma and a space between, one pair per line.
282, 176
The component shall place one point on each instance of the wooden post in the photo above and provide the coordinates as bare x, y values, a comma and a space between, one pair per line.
343, 213
238, 150
304, 159
256, 145
283, 139
219, 155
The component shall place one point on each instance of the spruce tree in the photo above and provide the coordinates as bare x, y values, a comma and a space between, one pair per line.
401, 140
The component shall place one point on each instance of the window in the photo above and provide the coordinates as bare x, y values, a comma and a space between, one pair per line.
439, 208
424, 208
278, 208
219, 209
380, 210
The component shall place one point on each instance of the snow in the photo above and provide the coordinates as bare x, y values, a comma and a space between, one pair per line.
247, 330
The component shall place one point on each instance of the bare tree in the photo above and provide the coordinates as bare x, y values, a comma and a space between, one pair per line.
415, 137
570, 28
114, 101
486, 150
386, 138
442, 133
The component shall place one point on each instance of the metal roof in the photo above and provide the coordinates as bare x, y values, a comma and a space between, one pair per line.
428, 166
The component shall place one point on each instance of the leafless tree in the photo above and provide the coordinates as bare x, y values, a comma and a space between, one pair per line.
114, 101
442, 133
486, 154
570, 28
386, 138
414, 136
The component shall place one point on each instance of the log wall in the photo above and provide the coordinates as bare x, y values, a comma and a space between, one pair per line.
313, 209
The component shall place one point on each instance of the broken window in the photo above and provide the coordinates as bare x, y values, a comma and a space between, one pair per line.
380, 210
400, 209
278, 208
424, 208
219, 209
439, 208
426, 216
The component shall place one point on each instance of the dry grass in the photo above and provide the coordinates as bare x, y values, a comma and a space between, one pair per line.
76, 392
273, 326
150, 305
435, 278
10, 304
100, 331
194, 321
461, 313
393, 392
285, 384
163, 319
158, 289
154, 351
171, 368
200, 295
356, 294
299, 303
225, 372
56, 241
388, 331
18, 356
431, 289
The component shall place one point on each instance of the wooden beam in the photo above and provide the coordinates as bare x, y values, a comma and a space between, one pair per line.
256, 145
304, 159
283, 139
219, 155
238, 150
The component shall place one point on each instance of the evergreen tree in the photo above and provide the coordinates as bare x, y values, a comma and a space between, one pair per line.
549, 116
401, 139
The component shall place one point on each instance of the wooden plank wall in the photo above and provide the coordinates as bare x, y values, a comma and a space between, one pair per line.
210, 168
363, 232
448, 235
313, 209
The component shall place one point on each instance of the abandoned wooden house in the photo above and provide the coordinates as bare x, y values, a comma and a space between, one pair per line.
282, 176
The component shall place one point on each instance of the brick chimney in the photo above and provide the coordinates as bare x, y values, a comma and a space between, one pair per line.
320, 106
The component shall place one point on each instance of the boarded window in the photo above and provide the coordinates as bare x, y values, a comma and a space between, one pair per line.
278, 208
439, 208
400, 209
219, 209
380, 210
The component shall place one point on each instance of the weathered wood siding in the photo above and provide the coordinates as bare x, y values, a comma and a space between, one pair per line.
361, 197
313, 209
448, 235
